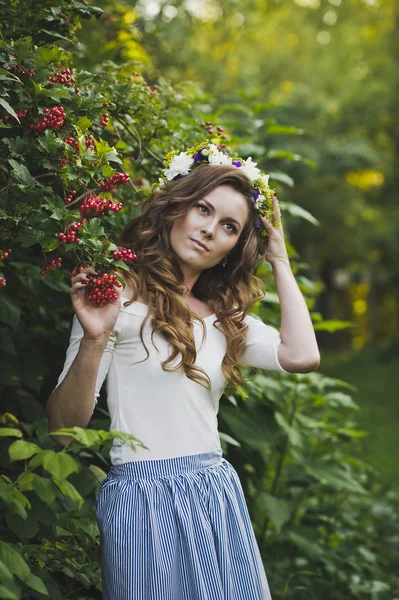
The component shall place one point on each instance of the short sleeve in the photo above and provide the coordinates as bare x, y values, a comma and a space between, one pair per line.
75, 338
262, 346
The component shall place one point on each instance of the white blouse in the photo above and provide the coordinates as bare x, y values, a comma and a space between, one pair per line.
169, 413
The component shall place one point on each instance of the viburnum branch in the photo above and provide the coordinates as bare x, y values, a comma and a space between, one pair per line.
134, 135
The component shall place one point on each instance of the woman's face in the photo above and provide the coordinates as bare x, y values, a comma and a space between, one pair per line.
217, 221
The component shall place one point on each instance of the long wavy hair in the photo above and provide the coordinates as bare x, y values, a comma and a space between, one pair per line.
156, 275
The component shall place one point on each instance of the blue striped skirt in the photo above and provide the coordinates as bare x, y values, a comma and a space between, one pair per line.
178, 529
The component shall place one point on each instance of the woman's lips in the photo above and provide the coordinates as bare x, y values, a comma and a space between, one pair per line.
198, 245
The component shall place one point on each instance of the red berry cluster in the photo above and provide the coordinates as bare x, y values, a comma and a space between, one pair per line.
124, 254
20, 115
54, 263
64, 77
209, 126
101, 289
69, 235
118, 178
74, 143
53, 118
90, 141
5, 253
19, 68
70, 196
104, 120
64, 161
105, 104
92, 205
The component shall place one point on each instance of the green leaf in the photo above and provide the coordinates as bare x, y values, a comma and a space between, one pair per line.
337, 399
333, 475
60, 465
8, 594
293, 434
14, 561
94, 227
246, 429
21, 449
98, 473
298, 211
37, 584
45, 489
282, 177
27, 239
10, 432
308, 546
5, 572
84, 123
26, 480
49, 142
25, 529
69, 490
60, 531
272, 128
331, 326
292, 156
21, 172
9, 109
56, 35
113, 157
107, 171
277, 509
229, 439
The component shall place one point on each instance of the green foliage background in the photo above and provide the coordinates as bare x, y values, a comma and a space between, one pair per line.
326, 522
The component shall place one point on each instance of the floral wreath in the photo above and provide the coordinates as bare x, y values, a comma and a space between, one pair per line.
178, 165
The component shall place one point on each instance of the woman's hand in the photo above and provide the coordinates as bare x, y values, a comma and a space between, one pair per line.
97, 322
274, 245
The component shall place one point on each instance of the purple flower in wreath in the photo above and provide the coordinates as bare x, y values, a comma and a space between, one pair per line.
198, 157
237, 163
258, 224
255, 193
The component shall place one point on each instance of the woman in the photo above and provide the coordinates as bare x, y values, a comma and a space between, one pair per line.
172, 516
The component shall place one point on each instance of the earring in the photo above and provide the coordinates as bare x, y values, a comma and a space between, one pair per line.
224, 263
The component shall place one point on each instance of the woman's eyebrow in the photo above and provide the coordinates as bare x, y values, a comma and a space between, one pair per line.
213, 208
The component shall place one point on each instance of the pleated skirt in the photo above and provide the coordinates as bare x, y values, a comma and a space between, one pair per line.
178, 529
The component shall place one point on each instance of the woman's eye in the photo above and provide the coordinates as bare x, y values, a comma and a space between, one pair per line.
233, 227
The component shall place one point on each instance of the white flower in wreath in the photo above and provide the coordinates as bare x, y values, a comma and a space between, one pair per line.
219, 159
215, 157
179, 165
259, 200
265, 179
250, 169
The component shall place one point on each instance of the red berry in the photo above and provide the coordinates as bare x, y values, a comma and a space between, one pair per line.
101, 289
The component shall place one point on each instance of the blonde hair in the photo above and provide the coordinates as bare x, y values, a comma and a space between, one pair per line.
230, 292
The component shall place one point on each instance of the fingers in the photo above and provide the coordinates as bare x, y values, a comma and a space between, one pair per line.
79, 281
86, 272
